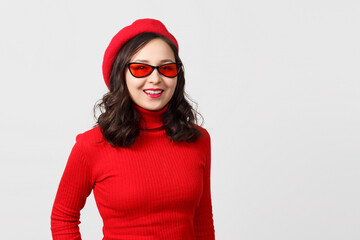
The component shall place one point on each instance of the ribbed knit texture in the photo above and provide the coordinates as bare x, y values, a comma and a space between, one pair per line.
157, 189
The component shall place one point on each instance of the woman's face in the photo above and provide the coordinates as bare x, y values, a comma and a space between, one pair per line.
156, 52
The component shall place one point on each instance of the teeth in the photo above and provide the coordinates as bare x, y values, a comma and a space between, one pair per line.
153, 92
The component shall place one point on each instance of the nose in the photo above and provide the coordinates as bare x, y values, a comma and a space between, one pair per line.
154, 77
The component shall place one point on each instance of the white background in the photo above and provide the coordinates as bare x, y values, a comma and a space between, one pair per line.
277, 82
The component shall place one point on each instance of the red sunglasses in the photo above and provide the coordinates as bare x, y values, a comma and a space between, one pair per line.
140, 70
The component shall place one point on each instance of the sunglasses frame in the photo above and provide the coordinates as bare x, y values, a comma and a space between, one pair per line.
153, 67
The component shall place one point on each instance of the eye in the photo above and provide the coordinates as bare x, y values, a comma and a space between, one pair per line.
170, 66
138, 67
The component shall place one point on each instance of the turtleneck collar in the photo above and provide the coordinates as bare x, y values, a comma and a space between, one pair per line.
151, 119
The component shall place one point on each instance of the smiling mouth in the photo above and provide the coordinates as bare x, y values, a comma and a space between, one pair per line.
152, 92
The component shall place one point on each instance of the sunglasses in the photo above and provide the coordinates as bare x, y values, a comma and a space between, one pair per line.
140, 70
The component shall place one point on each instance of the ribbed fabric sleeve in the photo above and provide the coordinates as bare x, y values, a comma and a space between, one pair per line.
155, 190
203, 220
74, 188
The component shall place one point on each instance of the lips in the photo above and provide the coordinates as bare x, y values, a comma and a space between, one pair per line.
153, 93
154, 89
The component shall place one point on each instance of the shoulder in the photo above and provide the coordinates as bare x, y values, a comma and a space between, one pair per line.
90, 137
204, 139
91, 143
204, 132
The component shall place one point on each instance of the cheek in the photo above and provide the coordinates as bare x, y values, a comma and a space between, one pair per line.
171, 85
132, 83
174, 83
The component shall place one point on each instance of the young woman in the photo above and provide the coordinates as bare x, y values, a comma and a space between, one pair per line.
146, 159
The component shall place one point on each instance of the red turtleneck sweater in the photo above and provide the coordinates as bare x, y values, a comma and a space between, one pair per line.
156, 189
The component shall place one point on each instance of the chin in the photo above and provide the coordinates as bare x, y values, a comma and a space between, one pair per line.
156, 108
152, 107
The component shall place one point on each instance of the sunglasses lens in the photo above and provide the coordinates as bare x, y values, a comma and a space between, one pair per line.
140, 70
169, 70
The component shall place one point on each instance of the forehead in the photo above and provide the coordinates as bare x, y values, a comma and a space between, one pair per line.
154, 51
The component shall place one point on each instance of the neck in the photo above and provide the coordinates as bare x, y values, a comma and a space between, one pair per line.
151, 119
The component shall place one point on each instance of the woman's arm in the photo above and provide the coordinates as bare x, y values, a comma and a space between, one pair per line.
203, 221
75, 186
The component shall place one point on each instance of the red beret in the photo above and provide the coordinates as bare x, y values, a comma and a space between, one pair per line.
125, 34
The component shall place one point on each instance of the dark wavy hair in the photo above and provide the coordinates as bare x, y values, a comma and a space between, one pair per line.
119, 121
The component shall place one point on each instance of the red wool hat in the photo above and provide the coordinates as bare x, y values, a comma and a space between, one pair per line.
125, 34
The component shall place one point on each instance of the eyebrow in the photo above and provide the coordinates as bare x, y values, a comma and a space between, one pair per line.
146, 61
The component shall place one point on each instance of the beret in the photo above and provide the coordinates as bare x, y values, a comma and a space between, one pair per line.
125, 34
